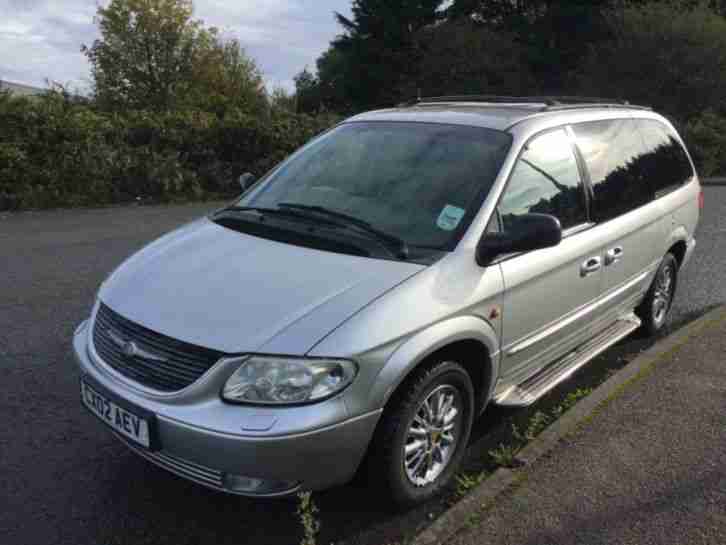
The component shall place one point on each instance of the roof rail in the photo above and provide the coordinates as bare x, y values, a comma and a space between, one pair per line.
624, 104
550, 102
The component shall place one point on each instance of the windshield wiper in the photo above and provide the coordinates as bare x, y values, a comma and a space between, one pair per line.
272, 211
400, 246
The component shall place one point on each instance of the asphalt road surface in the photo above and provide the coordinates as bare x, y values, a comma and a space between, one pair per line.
65, 479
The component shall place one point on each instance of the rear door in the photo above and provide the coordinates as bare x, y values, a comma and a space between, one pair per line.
628, 218
547, 292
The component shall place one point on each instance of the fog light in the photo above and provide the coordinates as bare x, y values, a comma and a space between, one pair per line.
257, 487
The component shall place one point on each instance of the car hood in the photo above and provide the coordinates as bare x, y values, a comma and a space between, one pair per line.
215, 287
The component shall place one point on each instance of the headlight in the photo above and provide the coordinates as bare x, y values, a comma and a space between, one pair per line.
267, 380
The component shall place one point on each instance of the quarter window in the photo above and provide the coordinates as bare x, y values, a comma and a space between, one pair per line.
545, 180
666, 165
615, 156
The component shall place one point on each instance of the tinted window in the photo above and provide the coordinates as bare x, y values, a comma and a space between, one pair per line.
614, 154
545, 180
666, 166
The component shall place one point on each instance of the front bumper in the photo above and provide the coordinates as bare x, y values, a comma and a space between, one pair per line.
201, 438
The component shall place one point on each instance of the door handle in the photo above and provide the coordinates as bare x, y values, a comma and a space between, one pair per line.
614, 255
590, 266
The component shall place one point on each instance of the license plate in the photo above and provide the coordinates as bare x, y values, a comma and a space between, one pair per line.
124, 422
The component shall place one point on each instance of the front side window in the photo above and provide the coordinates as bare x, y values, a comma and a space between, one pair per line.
614, 154
666, 165
419, 182
545, 180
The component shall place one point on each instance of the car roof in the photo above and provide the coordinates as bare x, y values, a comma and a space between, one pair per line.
490, 115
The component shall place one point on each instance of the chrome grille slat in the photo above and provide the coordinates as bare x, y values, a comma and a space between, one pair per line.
188, 466
161, 368
139, 370
189, 361
184, 468
185, 362
169, 344
134, 369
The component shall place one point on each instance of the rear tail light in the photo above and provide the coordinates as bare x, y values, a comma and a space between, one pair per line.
700, 200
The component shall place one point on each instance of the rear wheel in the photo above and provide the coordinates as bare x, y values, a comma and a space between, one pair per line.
656, 306
423, 432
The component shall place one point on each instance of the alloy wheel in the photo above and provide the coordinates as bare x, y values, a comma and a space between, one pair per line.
433, 435
663, 295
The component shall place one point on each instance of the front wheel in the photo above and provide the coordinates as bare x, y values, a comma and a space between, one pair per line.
424, 431
656, 306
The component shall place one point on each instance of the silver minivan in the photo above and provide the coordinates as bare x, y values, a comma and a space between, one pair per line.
371, 295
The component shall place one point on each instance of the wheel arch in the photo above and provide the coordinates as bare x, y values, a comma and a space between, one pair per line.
677, 244
472, 340
679, 250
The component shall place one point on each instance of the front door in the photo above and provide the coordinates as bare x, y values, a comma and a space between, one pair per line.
547, 292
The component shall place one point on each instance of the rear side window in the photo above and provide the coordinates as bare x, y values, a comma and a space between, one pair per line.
545, 180
666, 164
614, 154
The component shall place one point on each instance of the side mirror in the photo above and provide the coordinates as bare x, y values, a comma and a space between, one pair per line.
246, 180
528, 232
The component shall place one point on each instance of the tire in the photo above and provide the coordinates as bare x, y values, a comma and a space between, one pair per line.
437, 449
656, 306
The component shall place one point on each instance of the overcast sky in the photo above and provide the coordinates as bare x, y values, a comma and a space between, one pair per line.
41, 39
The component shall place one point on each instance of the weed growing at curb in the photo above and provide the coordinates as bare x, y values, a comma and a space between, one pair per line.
474, 519
537, 423
570, 401
307, 511
505, 455
466, 482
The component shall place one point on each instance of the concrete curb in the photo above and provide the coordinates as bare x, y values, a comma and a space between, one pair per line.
472, 505
713, 181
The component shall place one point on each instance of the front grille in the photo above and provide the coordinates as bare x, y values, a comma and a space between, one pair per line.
184, 468
184, 363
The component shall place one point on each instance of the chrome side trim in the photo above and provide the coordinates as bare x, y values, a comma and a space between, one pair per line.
552, 353
572, 318
529, 391
577, 229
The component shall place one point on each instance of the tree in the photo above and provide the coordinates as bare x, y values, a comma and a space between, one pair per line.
336, 83
705, 136
280, 99
366, 66
460, 57
661, 55
307, 92
225, 78
556, 32
153, 54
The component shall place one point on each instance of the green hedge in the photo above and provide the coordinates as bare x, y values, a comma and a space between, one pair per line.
57, 152
54, 152
705, 137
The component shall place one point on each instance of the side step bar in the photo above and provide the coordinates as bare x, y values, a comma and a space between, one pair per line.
546, 379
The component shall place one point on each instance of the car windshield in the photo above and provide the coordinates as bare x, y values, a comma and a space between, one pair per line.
417, 182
